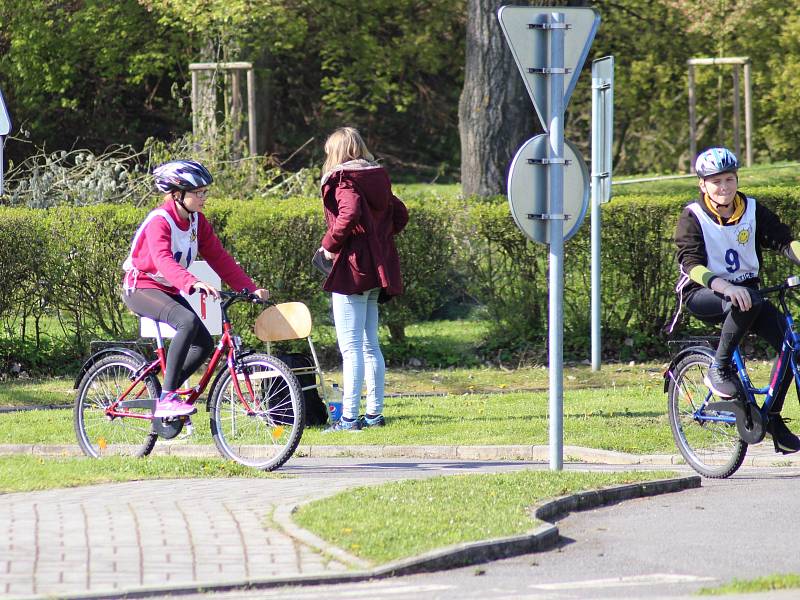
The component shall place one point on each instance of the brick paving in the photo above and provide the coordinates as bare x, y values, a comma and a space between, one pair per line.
111, 538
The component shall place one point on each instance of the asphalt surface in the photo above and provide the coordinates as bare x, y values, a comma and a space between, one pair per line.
155, 538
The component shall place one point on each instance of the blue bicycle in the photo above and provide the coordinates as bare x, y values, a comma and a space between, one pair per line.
712, 434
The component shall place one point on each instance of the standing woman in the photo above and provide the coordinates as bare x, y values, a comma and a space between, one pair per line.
362, 217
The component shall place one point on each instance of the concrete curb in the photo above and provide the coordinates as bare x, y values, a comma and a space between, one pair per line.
543, 537
539, 454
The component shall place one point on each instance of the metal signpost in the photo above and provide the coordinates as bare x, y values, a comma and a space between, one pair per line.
5, 129
602, 136
549, 48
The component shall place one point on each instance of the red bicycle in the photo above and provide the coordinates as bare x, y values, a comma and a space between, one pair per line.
255, 402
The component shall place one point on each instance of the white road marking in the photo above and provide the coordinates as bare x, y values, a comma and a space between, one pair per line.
653, 579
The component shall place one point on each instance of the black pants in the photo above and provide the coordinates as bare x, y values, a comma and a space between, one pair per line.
762, 319
192, 343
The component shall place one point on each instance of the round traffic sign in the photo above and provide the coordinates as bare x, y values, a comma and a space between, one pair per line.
528, 189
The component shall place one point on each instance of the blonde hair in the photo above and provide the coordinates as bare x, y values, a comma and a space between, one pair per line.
342, 145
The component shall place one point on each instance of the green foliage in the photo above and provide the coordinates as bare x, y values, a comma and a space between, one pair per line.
62, 272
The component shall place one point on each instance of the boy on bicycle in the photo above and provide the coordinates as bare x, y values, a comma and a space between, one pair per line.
720, 237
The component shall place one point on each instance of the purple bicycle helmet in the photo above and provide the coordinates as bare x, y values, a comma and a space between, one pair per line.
181, 175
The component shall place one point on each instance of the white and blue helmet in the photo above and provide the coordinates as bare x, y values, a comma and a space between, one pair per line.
715, 161
181, 175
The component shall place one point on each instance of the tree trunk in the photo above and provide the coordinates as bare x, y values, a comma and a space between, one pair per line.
495, 113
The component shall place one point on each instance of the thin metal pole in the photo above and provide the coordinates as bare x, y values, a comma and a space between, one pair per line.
737, 117
556, 210
598, 165
692, 121
2, 164
748, 115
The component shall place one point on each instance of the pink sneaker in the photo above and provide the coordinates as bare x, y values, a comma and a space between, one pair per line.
172, 406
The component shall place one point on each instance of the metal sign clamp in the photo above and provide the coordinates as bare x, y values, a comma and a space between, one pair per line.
549, 161
549, 70
549, 26
549, 217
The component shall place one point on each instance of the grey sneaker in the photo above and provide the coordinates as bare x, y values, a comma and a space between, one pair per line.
344, 425
720, 380
376, 421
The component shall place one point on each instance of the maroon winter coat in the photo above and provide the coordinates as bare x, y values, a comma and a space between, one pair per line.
364, 243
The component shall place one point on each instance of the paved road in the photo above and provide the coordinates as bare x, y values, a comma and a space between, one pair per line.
659, 548
155, 534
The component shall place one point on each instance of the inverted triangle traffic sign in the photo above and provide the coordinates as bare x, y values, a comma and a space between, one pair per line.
527, 30
5, 120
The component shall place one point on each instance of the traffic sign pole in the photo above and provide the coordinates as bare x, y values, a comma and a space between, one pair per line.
602, 134
536, 36
556, 203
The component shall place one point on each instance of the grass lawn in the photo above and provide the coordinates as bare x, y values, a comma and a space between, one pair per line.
619, 408
421, 515
749, 586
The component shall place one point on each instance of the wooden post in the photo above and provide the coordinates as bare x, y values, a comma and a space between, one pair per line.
236, 111
737, 118
692, 121
251, 111
748, 114
195, 102
234, 107
748, 105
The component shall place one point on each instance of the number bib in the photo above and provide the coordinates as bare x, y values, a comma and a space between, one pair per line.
184, 243
731, 249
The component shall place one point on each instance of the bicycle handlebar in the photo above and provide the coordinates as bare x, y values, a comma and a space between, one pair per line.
245, 296
791, 282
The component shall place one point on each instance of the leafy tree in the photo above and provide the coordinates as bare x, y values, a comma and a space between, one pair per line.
90, 73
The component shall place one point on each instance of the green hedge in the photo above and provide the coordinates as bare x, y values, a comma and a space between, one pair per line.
62, 269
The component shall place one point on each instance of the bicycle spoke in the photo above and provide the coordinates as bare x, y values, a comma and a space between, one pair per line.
100, 434
265, 435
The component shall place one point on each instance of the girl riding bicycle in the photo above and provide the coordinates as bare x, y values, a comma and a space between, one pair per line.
720, 237
165, 244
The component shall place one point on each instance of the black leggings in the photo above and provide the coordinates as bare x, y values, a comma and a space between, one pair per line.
192, 343
762, 318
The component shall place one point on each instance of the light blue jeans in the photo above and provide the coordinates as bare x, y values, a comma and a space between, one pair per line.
356, 319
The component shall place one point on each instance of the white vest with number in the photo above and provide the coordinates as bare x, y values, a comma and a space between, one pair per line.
184, 243
731, 249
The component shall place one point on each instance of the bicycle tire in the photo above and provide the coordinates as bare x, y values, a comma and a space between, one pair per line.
712, 448
267, 436
100, 435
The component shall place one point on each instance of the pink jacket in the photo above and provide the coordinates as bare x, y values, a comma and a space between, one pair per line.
153, 254
367, 257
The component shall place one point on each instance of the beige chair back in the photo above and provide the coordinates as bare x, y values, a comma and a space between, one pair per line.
286, 321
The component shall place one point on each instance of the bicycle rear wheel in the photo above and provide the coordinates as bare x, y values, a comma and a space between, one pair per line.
267, 434
102, 435
711, 447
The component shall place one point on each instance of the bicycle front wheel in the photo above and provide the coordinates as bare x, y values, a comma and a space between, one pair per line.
100, 434
263, 428
708, 440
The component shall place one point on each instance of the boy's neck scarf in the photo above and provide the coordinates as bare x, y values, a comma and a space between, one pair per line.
738, 209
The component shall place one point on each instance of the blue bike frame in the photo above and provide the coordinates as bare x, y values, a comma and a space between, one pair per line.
787, 358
